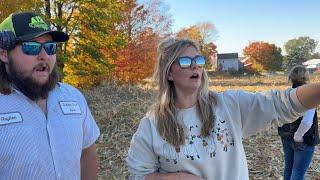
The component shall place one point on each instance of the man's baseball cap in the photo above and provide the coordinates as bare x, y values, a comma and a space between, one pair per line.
27, 26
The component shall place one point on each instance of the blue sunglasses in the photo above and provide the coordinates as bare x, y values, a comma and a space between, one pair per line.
34, 48
186, 61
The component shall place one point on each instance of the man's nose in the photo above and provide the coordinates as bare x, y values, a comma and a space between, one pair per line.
43, 55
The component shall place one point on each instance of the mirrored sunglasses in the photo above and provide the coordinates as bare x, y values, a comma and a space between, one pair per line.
186, 61
34, 48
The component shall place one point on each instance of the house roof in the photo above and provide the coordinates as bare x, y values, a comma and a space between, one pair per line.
244, 59
311, 66
312, 62
228, 56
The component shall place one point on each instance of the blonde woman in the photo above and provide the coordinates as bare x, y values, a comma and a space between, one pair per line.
300, 137
193, 133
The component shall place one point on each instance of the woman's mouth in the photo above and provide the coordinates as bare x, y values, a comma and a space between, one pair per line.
194, 76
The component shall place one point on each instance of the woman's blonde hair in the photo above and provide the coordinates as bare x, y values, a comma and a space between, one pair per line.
298, 74
164, 107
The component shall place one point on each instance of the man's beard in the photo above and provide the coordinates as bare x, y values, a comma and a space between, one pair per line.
28, 86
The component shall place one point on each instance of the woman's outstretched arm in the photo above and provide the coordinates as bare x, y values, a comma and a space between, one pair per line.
309, 95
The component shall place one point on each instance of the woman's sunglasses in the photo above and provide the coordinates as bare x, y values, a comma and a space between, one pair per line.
186, 61
34, 48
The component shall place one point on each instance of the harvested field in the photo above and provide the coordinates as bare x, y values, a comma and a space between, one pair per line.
118, 110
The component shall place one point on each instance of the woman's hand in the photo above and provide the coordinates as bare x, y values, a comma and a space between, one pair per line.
173, 176
188, 176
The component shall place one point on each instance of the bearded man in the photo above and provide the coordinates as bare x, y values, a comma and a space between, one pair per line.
46, 128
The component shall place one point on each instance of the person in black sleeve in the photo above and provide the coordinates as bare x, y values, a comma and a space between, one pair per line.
300, 137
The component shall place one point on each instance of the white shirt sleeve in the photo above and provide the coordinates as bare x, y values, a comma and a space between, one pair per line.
91, 131
141, 159
90, 128
305, 125
308, 117
258, 110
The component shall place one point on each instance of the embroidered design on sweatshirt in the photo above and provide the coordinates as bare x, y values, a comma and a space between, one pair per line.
224, 137
220, 137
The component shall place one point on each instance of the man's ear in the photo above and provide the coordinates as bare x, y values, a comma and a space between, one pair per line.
4, 56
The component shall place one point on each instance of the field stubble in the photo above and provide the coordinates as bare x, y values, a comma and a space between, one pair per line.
118, 110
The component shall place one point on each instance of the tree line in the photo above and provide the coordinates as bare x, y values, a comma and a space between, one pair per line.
117, 39
268, 57
109, 39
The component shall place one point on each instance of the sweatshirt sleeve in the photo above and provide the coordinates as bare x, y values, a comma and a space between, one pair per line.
260, 109
141, 159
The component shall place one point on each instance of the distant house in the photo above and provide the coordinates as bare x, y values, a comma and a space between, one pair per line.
228, 62
312, 65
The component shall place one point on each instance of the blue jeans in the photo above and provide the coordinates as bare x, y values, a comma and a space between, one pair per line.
297, 157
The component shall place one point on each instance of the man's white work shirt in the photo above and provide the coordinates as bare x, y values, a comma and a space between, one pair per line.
36, 147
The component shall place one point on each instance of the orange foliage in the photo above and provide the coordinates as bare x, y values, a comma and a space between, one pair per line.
136, 61
201, 33
263, 56
144, 24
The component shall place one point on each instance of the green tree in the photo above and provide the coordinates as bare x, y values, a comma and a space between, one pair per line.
95, 40
298, 51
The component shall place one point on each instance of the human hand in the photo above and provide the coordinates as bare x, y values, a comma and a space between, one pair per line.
173, 176
188, 176
298, 137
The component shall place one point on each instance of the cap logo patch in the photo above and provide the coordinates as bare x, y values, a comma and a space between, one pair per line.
38, 22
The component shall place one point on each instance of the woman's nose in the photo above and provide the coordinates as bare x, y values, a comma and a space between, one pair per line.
193, 64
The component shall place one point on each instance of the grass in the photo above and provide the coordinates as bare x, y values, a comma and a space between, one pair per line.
118, 110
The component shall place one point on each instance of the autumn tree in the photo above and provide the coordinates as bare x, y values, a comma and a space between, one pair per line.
210, 52
264, 56
95, 38
144, 26
298, 51
95, 41
10, 6
203, 33
107, 37
136, 61
41, 7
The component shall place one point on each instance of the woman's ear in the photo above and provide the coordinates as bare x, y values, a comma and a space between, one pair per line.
4, 56
169, 77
